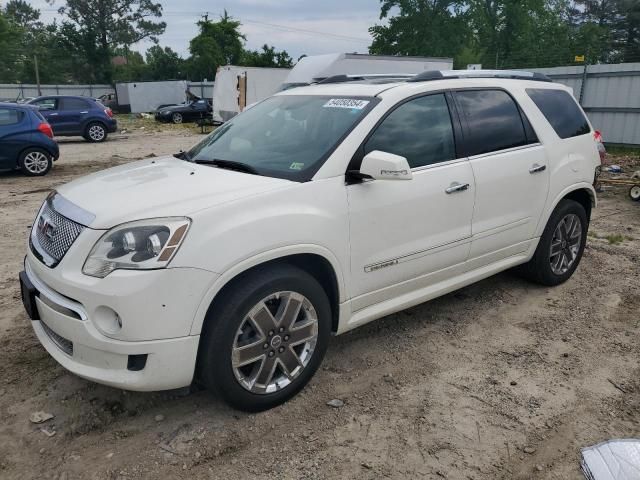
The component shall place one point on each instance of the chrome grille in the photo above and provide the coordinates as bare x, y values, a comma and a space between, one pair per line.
52, 235
63, 344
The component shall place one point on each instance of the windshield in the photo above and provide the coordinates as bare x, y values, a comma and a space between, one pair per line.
287, 136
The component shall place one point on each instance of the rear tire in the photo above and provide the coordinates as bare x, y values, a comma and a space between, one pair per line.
35, 162
95, 132
561, 246
249, 355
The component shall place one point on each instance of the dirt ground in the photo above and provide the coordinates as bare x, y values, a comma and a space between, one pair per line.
501, 380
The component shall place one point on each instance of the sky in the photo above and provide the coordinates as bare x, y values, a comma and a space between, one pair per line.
298, 26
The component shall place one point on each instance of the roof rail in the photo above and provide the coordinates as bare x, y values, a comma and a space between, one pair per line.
365, 76
458, 74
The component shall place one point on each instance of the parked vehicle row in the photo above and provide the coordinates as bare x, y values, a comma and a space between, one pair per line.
314, 212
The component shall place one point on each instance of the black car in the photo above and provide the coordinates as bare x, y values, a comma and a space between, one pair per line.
187, 112
26, 140
72, 116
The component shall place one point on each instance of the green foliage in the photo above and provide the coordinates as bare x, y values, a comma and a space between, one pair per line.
95, 29
164, 64
267, 57
510, 33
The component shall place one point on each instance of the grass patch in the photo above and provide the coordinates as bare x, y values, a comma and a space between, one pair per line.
623, 150
615, 239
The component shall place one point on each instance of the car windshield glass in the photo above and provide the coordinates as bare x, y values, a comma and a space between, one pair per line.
286, 136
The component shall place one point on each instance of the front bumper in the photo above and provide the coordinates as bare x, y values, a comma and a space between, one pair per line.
69, 329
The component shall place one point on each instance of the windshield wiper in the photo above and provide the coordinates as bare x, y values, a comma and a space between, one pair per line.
229, 165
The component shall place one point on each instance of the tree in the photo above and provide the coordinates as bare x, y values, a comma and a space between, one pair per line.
268, 57
164, 64
97, 28
421, 27
10, 47
218, 43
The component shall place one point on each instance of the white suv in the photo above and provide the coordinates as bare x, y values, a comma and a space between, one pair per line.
316, 211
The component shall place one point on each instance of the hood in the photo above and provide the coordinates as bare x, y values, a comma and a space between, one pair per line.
161, 187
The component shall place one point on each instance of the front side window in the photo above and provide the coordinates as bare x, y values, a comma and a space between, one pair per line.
47, 104
561, 111
287, 136
419, 130
493, 120
10, 117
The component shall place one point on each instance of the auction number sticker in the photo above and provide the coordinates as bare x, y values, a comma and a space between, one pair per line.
350, 103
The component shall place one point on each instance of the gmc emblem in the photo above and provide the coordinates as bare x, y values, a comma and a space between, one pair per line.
47, 227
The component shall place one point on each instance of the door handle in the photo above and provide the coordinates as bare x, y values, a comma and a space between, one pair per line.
53, 114
84, 112
537, 168
457, 187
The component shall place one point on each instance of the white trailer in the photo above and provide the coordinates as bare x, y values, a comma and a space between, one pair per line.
237, 87
319, 67
143, 97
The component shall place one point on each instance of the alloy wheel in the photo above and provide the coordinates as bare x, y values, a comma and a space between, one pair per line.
176, 118
565, 244
96, 133
275, 342
36, 162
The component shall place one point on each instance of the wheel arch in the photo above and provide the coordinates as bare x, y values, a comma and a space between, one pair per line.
583, 193
315, 260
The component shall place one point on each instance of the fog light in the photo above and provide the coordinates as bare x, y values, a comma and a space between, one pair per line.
107, 320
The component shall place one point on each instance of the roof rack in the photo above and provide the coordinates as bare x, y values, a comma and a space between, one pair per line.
366, 76
458, 74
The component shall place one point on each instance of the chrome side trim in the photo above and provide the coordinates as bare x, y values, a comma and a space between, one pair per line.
54, 297
70, 210
413, 256
507, 150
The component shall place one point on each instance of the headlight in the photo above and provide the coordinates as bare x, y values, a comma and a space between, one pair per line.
142, 245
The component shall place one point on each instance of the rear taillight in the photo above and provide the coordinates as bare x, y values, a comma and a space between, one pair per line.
46, 129
597, 136
108, 112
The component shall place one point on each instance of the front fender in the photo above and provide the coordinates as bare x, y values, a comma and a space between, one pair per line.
261, 258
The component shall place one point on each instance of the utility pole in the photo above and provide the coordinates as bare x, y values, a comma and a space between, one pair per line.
35, 63
584, 81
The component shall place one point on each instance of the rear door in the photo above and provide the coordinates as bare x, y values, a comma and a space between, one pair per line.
511, 171
14, 127
73, 113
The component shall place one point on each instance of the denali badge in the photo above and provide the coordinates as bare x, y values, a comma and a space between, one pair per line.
394, 173
47, 227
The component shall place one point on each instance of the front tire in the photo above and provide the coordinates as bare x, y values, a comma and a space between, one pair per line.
95, 133
561, 246
35, 162
176, 118
265, 338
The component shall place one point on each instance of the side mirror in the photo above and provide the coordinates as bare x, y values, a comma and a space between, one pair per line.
379, 165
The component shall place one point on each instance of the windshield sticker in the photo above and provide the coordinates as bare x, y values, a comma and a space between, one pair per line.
350, 103
296, 166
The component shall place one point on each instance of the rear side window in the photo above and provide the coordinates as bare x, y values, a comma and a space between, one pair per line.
10, 117
419, 130
561, 111
493, 120
74, 104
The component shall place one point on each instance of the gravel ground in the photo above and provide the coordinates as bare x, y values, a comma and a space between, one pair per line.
501, 380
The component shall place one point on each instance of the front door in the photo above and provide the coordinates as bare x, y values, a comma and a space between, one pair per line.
510, 168
49, 108
404, 231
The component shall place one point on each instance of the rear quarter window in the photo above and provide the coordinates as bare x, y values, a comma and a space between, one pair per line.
561, 111
10, 117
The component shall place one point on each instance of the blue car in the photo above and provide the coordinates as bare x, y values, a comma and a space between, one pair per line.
26, 140
72, 116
